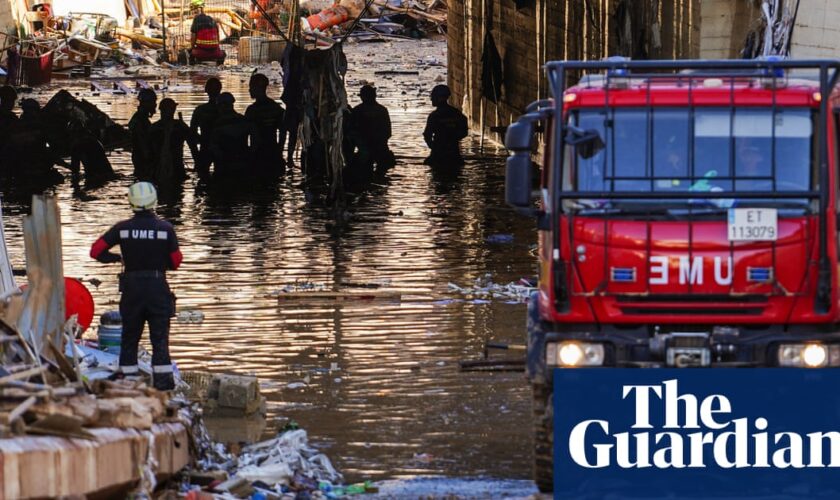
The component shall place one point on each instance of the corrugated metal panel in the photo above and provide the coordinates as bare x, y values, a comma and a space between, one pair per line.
7, 280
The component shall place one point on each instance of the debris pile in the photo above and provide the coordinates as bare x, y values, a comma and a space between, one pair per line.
75, 43
286, 466
375, 20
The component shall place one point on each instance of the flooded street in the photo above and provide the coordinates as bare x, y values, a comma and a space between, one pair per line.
398, 406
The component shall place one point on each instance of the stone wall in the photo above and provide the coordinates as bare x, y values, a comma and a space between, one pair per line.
537, 31
817, 30
725, 25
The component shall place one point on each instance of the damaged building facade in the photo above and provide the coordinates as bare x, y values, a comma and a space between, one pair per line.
497, 48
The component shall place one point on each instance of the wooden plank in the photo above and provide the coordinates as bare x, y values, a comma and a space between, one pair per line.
21, 409
47, 467
31, 372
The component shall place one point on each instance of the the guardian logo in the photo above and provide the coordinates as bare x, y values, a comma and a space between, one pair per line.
693, 433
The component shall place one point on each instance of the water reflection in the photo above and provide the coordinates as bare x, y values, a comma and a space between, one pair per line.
397, 405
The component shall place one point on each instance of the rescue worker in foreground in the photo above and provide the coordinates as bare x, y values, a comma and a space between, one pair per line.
267, 117
370, 129
148, 248
445, 128
142, 155
167, 137
202, 122
204, 36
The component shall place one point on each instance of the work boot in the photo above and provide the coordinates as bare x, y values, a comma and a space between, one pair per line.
163, 381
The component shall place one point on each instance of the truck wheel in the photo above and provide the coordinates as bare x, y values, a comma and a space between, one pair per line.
543, 411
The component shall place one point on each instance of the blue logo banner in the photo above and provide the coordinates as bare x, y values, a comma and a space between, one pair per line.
696, 433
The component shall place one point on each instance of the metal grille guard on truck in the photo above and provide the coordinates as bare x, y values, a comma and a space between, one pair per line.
648, 71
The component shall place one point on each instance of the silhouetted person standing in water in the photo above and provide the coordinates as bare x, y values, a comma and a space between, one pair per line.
202, 123
370, 129
141, 152
229, 144
267, 117
8, 98
28, 151
8, 122
445, 128
85, 149
167, 137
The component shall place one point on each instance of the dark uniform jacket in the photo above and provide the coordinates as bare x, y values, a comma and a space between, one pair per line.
147, 243
370, 125
202, 121
167, 138
229, 143
267, 117
445, 128
88, 151
141, 152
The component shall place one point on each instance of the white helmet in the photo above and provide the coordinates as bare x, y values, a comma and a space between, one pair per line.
142, 196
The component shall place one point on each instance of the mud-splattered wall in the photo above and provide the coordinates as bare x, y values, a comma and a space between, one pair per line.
527, 33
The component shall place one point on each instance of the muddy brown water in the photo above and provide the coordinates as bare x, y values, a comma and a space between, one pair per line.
398, 406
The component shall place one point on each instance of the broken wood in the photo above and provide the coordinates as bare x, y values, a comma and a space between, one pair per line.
31, 372
508, 365
21, 409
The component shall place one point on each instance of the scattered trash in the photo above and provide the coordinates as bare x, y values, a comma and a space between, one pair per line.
295, 385
499, 238
188, 316
484, 288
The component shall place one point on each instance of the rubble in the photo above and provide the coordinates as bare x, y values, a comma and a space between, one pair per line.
64, 43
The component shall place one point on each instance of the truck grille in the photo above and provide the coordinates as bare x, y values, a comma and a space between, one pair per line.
693, 299
679, 311
700, 305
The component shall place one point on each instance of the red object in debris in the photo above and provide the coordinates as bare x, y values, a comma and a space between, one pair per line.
327, 18
78, 300
36, 70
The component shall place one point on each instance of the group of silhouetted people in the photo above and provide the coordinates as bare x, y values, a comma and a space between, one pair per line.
223, 142
28, 150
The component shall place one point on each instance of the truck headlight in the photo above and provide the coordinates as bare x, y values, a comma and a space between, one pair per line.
810, 355
572, 353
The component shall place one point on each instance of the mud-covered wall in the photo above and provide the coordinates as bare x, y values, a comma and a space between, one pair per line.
528, 33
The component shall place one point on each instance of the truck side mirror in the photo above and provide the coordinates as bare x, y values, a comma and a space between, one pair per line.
518, 180
520, 136
587, 142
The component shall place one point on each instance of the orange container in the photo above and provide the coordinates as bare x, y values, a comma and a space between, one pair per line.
328, 18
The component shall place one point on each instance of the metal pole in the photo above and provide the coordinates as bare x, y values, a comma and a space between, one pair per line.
163, 25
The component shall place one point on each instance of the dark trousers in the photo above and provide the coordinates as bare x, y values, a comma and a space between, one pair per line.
146, 300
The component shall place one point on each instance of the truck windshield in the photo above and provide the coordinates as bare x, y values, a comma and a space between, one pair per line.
694, 150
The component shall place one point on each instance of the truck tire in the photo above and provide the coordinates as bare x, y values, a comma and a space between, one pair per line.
543, 412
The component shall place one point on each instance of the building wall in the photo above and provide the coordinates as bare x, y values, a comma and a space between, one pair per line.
547, 30
725, 25
817, 30
7, 19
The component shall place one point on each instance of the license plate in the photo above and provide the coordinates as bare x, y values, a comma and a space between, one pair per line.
753, 224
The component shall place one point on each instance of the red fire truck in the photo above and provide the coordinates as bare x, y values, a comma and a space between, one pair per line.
687, 215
